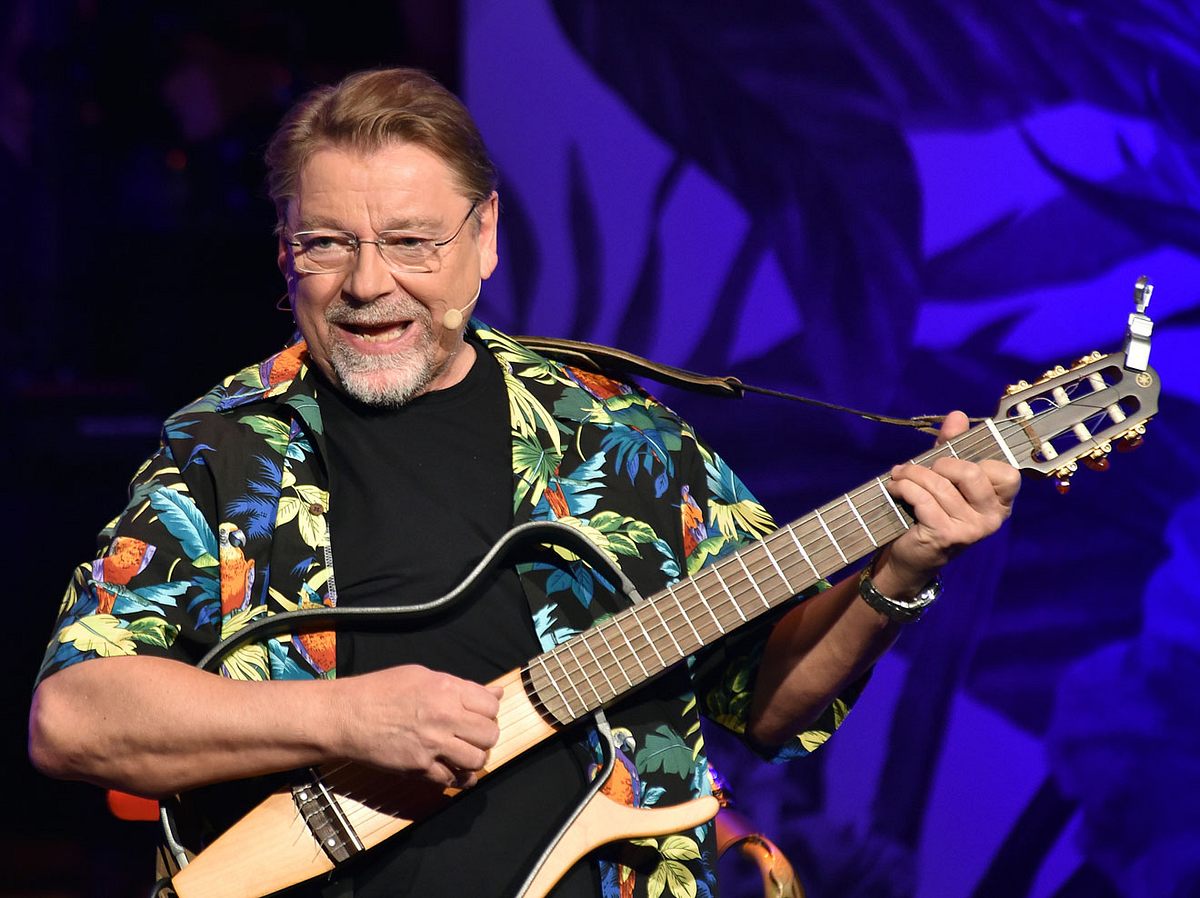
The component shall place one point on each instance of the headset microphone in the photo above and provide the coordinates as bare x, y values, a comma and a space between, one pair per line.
453, 318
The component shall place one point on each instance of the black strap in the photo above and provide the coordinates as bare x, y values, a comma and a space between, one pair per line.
601, 359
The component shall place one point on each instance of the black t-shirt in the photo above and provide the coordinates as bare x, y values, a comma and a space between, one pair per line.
417, 496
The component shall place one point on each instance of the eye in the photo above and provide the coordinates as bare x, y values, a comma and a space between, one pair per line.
323, 242
405, 242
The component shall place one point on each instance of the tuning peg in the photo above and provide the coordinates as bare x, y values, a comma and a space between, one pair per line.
1131, 439
1053, 372
1013, 389
1097, 459
1062, 478
1087, 360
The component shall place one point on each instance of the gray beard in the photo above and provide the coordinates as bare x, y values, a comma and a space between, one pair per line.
358, 375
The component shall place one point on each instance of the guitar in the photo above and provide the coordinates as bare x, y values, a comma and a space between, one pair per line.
331, 814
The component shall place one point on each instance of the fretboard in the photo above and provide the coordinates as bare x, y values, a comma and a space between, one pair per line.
598, 666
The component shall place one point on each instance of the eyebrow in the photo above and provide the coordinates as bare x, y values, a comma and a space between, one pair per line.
412, 223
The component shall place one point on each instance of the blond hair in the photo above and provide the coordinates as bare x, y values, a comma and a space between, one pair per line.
368, 110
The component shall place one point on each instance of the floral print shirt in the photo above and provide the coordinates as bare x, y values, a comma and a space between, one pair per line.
227, 523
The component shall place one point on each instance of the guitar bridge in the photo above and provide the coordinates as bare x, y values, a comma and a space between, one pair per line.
325, 819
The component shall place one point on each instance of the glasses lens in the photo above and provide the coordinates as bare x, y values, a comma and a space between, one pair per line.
408, 253
323, 250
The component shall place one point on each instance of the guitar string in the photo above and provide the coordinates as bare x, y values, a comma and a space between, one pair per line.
669, 622
532, 718
969, 442
369, 818
363, 818
521, 725
965, 442
763, 566
527, 717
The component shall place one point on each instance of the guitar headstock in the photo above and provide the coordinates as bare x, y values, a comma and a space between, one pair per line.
1078, 415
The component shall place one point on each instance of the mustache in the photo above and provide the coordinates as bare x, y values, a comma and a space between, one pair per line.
378, 312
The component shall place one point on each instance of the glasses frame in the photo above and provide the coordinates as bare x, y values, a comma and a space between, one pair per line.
357, 242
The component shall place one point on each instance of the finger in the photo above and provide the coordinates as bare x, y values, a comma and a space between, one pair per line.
925, 506
480, 732
1005, 479
989, 487
952, 425
970, 480
463, 757
480, 699
929, 491
445, 775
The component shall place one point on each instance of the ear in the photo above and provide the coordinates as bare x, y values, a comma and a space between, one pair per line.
281, 259
489, 219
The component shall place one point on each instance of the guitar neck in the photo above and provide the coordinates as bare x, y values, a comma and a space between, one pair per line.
593, 669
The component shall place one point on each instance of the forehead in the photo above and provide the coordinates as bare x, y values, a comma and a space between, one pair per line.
397, 185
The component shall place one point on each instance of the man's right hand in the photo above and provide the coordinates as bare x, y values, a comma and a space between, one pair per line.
414, 720
154, 727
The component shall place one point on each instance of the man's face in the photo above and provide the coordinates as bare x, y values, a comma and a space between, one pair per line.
375, 332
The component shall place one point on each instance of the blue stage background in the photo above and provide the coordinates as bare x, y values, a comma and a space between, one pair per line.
899, 206
904, 207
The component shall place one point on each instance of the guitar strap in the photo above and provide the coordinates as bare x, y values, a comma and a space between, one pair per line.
600, 359
592, 357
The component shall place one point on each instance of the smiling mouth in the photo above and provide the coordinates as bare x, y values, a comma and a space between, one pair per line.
376, 333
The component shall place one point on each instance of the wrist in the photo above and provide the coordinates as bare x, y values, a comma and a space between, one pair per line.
904, 603
896, 579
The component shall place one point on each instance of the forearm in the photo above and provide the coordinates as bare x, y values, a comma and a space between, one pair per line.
813, 653
155, 726
822, 647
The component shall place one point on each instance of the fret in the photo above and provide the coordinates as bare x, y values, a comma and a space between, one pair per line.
554, 685
750, 599
829, 533
766, 547
600, 667
694, 581
600, 631
666, 629
687, 617
557, 653
569, 646
616, 622
991, 425
861, 522
752, 579
892, 502
650, 642
715, 569
791, 529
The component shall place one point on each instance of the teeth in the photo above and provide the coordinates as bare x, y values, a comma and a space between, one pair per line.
379, 336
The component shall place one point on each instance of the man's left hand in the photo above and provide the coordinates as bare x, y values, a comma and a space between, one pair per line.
955, 502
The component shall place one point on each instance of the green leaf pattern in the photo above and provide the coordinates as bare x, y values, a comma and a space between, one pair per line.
602, 457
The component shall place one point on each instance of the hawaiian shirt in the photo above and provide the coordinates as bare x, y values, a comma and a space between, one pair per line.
228, 522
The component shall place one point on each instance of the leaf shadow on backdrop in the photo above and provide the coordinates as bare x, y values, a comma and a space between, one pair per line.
803, 114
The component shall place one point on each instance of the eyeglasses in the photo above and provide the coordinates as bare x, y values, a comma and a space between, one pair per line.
327, 251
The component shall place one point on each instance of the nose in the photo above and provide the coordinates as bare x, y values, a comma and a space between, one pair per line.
370, 277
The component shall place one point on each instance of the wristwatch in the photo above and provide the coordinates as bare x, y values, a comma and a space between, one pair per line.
903, 610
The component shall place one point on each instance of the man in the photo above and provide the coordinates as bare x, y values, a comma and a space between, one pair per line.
403, 441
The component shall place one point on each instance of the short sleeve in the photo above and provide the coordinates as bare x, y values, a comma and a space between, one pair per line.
154, 586
720, 516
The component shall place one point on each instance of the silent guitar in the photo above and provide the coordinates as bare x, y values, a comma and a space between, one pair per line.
1070, 416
